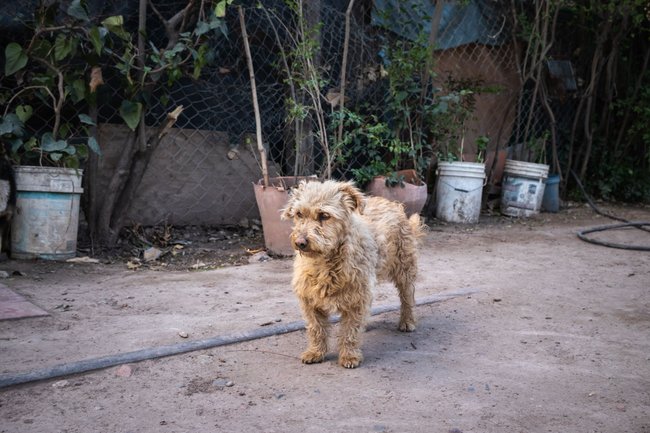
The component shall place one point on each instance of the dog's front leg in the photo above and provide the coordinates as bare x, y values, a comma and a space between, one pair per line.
352, 324
317, 325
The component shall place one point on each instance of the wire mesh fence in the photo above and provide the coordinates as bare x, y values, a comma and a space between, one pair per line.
469, 96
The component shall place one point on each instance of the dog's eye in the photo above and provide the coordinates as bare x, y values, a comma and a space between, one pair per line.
322, 216
298, 214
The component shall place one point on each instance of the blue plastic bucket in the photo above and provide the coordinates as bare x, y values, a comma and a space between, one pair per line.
551, 199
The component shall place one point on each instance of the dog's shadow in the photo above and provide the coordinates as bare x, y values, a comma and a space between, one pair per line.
384, 344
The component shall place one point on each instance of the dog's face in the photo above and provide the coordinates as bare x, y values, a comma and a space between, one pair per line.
321, 214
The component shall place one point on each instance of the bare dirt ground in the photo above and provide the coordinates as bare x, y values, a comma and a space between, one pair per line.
537, 331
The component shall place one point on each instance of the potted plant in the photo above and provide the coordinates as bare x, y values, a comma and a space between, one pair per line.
393, 148
45, 222
411, 115
272, 193
48, 155
382, 157
459, 184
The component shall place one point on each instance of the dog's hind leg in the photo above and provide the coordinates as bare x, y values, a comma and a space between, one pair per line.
406, 290
405, 273
317, 325
404, 278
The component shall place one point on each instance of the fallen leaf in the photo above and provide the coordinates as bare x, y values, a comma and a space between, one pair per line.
96, 78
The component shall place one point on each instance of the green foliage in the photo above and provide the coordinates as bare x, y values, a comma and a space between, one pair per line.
78, 11
622, 173
452, 112
44, 149
620, 178
52, 69
48, 76
401, 142
612, 150
307, 83
15, 58
537, 147
220, 8
367, 136
639, 131
131, 112
481, 147
409, 105
423, 119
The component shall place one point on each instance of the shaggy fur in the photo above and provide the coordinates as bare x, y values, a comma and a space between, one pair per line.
344, 242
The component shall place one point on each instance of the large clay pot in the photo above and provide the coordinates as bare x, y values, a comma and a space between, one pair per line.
412, 192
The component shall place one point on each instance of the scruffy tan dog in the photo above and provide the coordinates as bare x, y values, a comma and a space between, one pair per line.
344, 242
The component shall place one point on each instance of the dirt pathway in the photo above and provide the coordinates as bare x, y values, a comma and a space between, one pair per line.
554, 338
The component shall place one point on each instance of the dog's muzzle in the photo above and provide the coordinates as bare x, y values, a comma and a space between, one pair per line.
301, 243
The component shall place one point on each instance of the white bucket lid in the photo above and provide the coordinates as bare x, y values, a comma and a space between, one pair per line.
48, 179
526, 169
462, 169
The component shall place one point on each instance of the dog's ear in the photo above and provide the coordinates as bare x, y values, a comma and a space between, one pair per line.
288, 212
353, 198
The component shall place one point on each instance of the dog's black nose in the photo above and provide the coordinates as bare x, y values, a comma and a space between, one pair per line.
301, 242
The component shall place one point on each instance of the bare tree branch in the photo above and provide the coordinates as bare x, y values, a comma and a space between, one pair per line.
256, 107
344, 66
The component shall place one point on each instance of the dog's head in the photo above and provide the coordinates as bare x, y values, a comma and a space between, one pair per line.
321, 214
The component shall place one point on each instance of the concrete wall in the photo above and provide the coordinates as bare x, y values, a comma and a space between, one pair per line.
194, 177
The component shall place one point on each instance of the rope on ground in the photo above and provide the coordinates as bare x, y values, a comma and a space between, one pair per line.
641, 225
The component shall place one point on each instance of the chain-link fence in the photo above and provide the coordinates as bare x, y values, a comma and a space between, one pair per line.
464, 102
480, 62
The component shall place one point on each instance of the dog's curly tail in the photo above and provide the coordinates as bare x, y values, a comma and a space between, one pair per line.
417, 226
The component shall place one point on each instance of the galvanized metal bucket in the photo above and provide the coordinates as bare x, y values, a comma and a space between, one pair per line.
47, 213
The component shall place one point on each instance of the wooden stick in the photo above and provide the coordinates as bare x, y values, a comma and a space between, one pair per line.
344, 65
256, 108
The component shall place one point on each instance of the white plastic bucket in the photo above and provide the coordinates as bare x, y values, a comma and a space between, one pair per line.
47, 213
459, 190
522, 188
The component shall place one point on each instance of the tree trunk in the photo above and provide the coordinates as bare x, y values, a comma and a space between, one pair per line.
137, 150
306, 155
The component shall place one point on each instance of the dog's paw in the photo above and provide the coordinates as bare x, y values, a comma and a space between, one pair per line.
406, 326
312, 357
350, 360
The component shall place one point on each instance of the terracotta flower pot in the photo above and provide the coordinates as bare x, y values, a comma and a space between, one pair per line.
413, 194
270, 202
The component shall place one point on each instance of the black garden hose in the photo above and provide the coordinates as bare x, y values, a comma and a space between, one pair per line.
84, 366
641, 225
